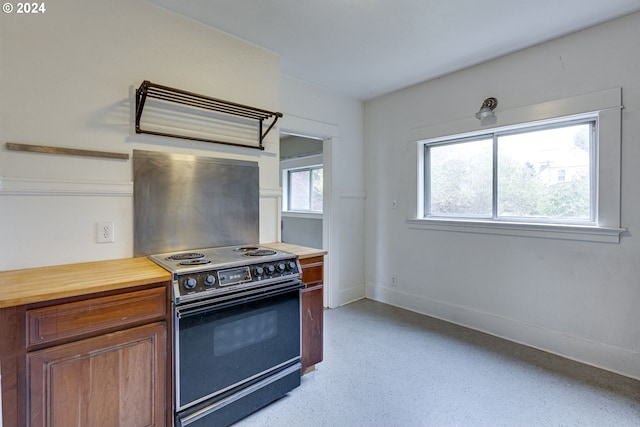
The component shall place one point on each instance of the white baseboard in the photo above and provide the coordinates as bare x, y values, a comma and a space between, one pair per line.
605, 356
349, 295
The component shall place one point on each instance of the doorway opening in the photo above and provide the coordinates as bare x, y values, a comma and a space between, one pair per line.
302, 183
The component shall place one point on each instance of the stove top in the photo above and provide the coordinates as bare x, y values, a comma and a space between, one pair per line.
199, 273
200, 259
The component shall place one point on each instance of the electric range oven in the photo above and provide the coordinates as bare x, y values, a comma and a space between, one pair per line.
236, 325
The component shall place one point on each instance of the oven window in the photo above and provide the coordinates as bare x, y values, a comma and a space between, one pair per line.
244, 332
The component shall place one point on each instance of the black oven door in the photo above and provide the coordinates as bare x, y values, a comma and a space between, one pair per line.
235, 341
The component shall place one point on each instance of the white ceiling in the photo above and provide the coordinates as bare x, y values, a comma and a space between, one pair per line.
366, 48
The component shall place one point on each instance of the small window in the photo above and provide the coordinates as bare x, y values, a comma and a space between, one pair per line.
304, 189
535, 173
562, 175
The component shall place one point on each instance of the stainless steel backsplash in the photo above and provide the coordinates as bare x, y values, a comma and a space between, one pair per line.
186, 202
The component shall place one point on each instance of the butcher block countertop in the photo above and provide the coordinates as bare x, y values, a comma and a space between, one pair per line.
32, 285
18, 287
302, 251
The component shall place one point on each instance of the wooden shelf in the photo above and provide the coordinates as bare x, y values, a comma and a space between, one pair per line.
65, 151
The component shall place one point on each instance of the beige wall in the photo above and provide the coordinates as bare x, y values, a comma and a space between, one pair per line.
312, 111
68, 78
575, 298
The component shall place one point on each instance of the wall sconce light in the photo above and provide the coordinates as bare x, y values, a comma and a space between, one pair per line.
486, 115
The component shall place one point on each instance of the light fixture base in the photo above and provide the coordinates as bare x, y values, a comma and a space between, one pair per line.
486, 114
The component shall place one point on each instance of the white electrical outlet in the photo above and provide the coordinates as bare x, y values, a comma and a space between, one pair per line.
105, 232
394, 281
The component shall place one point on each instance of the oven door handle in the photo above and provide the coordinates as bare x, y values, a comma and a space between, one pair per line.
225, 301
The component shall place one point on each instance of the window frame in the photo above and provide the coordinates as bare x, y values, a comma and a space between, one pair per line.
287, 179
493, 135
607, 104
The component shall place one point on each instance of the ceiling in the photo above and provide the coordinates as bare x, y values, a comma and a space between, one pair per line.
366, 48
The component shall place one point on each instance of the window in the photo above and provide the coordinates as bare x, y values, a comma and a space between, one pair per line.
304, 189
600, 111
542, 173
561, 175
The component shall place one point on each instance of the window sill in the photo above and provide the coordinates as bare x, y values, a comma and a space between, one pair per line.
521, 229
300, 214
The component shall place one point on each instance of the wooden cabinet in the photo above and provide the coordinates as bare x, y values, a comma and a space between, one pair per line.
78, 318
312, 311
111, 380
98, 360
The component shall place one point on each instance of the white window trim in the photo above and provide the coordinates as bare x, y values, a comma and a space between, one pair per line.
606, 104
521, 229
299, 214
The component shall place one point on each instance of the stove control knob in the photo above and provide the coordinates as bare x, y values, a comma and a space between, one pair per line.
190, 283
258, 271
291, 265
269, 269
209, 280
281, 267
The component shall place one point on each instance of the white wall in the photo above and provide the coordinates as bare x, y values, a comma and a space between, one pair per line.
67, 79
312, 111
577, 299
302, 230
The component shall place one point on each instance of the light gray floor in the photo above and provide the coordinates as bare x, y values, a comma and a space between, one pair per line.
384, 366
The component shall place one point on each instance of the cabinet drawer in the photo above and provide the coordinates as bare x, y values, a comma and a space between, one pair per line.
81, 318
312, 274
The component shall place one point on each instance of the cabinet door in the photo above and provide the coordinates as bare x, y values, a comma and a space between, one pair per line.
116, 379
312, 325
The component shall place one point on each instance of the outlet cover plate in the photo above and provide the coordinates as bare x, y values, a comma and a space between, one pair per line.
105, 232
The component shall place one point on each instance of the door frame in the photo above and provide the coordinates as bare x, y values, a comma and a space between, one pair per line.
329, 134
